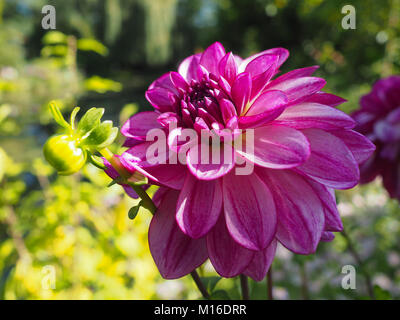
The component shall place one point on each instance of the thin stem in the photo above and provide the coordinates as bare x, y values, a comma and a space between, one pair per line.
304, 281
270, 284
147, 202
199, 284
244, 283
359, 261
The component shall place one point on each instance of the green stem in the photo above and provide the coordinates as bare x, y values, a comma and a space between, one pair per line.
199, 284
244, 283
270, 284
357, 258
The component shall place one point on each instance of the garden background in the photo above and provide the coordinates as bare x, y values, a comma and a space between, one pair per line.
105, 53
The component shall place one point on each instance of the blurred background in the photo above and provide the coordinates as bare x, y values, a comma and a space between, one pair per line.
70, 237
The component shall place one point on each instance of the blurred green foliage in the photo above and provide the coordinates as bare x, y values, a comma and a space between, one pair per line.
105, 54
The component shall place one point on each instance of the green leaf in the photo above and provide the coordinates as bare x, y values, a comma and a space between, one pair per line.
381, 294
87, 44
132, 213
101, 136
57, 115
54, 37
111, 137
210, 282
97, 161
73, 116
90, 120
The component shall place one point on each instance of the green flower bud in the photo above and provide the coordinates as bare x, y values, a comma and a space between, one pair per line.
62, 152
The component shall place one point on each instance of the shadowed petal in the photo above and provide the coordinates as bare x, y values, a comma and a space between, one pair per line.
361, 147
174, 253
299, 209
228, 258
249, 210
199, 206
331, 162
259, 266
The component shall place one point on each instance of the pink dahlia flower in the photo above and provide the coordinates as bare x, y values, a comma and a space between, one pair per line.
301, 149
379, 119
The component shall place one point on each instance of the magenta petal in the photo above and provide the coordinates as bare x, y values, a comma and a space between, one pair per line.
199, 206
333, 222
331, 162
212, 56
228, 258
361, 147
299, 209
327, 236
228, 68
326, 99
267, 107
297, 89
140, 124
249, 210
282, 54
259, 266
188, 67
240, 92
227, 109
261, 64
174, 253
261, 81
211, 162
164, 82
314, 115
277, 147
161, 99
178, 81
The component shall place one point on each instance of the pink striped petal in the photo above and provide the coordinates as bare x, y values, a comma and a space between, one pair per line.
261, 64
259, 266
174, 253
326, 99
188, 67
199, 206
228, 68
260, 82
140, 124
299, 209
361, 147
228, 258
333, 222
227, 109
282, 53
240, 92
277, 147
212, 56
267, 107
249, 210
331, 162
210, 162
314, 115
297, 89
161, 99
164, 82
178, 81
